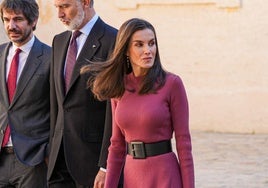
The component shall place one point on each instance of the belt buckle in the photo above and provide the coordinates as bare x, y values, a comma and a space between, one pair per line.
8, 150
138, 150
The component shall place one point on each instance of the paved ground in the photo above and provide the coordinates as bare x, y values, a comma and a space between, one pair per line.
230, 160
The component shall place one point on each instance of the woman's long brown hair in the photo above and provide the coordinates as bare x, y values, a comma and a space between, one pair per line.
107, 80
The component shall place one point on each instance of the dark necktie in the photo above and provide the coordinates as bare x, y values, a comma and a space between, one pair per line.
71, 59
11, 87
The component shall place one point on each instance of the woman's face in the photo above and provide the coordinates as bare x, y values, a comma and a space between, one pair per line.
141, 51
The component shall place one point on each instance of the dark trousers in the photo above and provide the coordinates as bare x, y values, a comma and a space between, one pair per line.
14, 174
61, 177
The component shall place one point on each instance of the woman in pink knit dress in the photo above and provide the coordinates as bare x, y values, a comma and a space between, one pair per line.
148, 105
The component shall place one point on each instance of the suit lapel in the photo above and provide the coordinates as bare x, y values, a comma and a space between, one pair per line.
3, 86
31, 65
90, 47
61, 49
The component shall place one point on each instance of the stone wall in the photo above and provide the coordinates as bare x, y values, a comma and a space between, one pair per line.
218, 47
3, 37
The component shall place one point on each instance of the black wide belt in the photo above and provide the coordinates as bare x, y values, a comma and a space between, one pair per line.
141, 150
7, 150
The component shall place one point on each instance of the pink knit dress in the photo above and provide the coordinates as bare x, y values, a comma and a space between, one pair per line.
151, 118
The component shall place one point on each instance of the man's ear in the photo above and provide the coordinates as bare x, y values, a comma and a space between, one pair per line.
34, 23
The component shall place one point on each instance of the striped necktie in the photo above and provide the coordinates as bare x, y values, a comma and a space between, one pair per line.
71, 59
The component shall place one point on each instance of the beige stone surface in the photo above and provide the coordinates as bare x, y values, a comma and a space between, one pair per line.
3, 37
230, 160
218, 47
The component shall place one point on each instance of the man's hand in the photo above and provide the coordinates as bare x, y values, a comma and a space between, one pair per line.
100, 179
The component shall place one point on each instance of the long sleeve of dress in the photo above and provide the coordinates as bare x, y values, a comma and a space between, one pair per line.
180, 118
117, 152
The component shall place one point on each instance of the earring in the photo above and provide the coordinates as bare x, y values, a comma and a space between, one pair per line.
128, 63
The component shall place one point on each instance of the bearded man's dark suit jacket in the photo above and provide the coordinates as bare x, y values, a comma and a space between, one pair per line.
28, 113
77, 118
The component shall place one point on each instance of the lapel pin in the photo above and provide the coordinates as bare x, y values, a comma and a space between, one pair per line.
94, 46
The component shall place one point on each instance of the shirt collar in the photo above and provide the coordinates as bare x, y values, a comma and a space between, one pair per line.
26, 47
87, 28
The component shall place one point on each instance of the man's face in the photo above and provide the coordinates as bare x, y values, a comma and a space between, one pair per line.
70, 12
18, 30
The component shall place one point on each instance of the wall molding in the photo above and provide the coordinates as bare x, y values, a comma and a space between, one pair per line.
133, 4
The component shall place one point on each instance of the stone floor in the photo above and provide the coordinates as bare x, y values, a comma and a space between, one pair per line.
230, 160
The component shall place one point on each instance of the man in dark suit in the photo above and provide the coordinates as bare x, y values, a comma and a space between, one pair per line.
24, 98
77, 118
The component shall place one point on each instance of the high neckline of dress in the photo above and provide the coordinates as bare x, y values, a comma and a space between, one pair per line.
132, 82
136, 79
